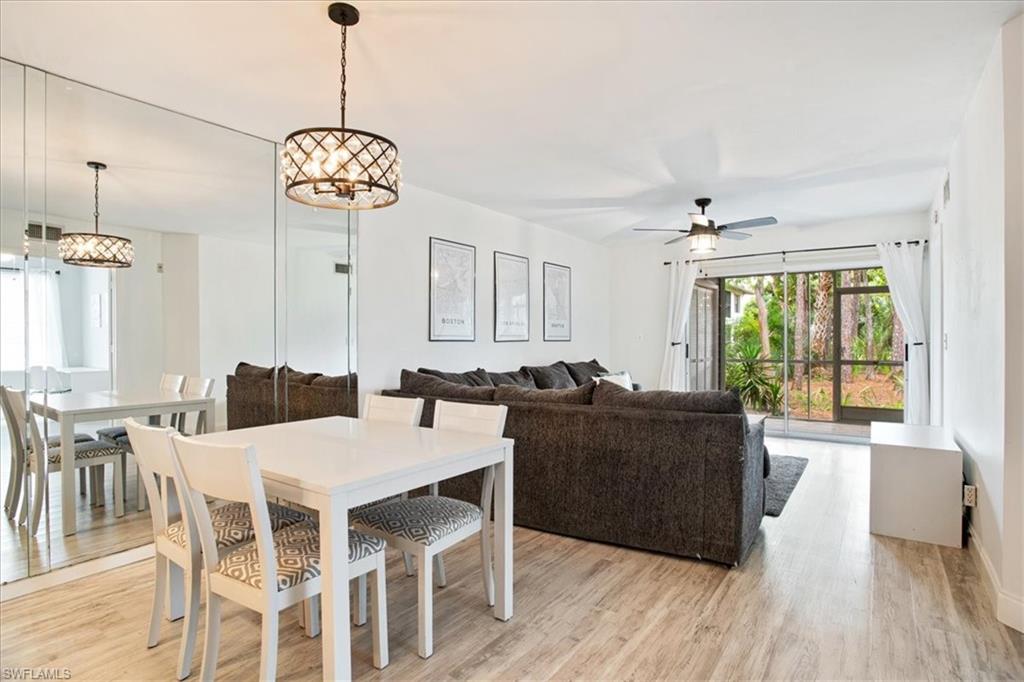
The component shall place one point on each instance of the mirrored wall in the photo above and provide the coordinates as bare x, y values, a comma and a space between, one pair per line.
234, 293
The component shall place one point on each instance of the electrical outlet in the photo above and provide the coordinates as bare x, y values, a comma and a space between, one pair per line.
970, 495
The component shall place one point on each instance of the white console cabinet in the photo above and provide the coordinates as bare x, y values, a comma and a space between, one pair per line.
916, 483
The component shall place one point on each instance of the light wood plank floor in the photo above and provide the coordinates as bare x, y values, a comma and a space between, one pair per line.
99, 534
818, 598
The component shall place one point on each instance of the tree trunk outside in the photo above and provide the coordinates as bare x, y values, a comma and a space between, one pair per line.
762, 318
869, 334
821, 329
800, 328
898, 352
848, 325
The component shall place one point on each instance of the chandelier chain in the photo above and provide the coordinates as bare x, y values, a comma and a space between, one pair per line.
96, 200
344, 63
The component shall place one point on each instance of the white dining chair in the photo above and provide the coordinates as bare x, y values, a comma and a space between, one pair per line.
382, 408
45, 458
194, 387
232, 526
171, 383
427, 525
278, 569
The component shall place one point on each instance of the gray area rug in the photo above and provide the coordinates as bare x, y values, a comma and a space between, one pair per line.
785, 474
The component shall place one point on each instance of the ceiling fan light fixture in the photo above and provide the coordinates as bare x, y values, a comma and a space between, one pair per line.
703, 239
92, 249
342, 167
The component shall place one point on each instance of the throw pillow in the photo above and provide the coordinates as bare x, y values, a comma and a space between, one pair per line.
551, 376
584, 372
583, 395
244, 369
618, 378
474, 377
713, 402
518, 378
425, 384
340, 381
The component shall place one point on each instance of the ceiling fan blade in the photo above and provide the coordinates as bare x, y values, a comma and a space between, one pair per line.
677, 239
734, 235
657, 229
747, 224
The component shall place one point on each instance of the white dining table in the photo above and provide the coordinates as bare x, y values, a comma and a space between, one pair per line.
335, 463
67, 409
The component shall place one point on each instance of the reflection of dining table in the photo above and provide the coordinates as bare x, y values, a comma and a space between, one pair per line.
68, 408
335, 463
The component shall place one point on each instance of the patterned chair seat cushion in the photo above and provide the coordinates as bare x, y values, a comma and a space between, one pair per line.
112, 433
424, 519
54, 441
232, 524
383, 500
297, 549
89, 449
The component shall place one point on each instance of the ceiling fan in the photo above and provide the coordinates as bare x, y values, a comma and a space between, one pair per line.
703, 233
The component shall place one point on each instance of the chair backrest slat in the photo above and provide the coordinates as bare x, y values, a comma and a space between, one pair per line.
155, 456
15, 419
172, 382
229, 473
194, 387
381, 408
34, 440
470, 418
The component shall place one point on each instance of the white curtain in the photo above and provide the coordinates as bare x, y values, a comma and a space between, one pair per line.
680, 294
904, 265
42, 318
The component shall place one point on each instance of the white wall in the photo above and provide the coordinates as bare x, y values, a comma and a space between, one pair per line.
639, 297
982, 298
236, 309
1012, 578
393, 289
181, 304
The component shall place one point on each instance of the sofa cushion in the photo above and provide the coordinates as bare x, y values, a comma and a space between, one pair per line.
518, 378
618, 378
294, 377
244, 369
581, 395
551, 376
713, 402
476, 377
584, 372
424, 384
340, 381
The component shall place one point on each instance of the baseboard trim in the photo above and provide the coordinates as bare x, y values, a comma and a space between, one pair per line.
27, 586
1009, 608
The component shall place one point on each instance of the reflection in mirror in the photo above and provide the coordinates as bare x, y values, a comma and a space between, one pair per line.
320, 345
198, 333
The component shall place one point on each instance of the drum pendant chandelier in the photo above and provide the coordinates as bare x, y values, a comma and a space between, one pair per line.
92, 249
341, 167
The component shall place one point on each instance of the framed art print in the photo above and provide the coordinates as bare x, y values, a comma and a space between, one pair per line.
511, 297
452, 291
557, 302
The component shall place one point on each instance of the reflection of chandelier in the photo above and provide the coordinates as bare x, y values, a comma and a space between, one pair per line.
93, 249
341, 167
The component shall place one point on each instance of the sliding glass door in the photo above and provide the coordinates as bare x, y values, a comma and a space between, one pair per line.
815, 352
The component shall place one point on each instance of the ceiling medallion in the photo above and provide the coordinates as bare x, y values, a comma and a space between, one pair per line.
92, 249
341, 167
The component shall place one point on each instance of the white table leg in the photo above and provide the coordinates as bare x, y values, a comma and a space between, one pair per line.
68, 508
174, 607
503, 537
334, 583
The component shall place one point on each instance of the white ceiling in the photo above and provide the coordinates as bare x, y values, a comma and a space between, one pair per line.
584, 116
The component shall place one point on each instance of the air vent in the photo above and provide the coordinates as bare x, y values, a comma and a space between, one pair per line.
35, 231
342, 268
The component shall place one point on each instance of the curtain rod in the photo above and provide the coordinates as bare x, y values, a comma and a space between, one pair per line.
783, 253
8, 268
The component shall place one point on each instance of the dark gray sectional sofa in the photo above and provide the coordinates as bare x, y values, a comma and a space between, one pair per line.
680, 473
